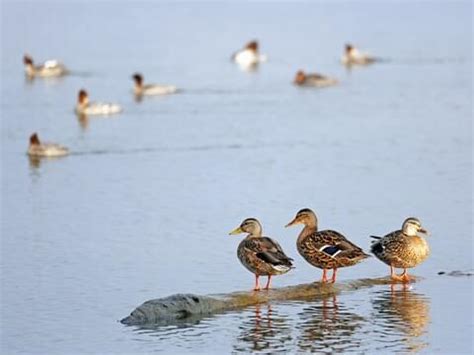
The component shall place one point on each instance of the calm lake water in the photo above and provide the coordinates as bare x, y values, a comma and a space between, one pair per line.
142, 207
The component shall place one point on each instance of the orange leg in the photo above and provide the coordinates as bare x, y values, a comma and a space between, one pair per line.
393, 274
404, 276
267, 286
324, 279
257, 286
333, 279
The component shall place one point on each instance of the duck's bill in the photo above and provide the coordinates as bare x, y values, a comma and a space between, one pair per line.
237, 230
293, 222
424, 231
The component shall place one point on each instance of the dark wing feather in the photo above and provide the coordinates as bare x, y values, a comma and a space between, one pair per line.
315, 76
269, 251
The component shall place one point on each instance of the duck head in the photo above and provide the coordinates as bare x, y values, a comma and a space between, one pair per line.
250, 226
412, 226
306, 217
34, 139
27, 60
300, 77
138, 79
82, 97
253, 46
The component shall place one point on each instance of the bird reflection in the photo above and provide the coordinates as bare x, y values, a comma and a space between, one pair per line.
47, 81
83, 121
35, 163
404, 313
138, 98
263, 331
249, 68
327, 327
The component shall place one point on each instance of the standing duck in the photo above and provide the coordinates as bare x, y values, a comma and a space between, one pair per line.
151, 89
325, 249
38, 149
50, 68
352, 56
249, 56
84, 107
403, 248
260, 255
315, 80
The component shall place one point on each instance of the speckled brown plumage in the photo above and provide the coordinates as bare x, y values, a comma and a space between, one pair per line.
260, 255
400, 250
403, 248
309, 247
325, 249
263, 256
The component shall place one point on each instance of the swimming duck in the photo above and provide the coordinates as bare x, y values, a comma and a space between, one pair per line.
84, 107
325, 249
352, 56
249, 56
403, 248
151, 89
260, 255
316, 80
38, 149
50, 68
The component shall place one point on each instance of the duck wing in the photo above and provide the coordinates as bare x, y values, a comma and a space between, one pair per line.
268, 250
334, 245
315, 76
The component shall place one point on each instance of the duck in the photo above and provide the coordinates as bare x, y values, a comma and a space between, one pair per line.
50, 68
38, 149
325, 249
261, 255
84, 107
404, 248
151, 89
249, 56
352, 56
315, 80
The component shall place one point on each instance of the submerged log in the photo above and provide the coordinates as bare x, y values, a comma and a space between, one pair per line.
179, 307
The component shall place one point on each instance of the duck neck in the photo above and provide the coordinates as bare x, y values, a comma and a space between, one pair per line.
30, 69
307, 230
255, 234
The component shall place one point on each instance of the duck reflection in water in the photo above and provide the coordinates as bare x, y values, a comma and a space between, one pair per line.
327, 327
263, 331
403, 315
83, 121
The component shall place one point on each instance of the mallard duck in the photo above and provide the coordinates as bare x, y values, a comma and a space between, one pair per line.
403, 248
260, 255
151, 89
50, 68
249, 56
38, 149
84, 107
315, 80
325, 249
352, 56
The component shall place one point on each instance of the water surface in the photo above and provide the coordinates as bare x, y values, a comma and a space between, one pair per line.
142, 207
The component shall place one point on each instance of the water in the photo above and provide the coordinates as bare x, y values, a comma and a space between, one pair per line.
142, 207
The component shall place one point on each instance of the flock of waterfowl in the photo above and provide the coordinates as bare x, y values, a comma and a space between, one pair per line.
328, 249
248, 58
263, 256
